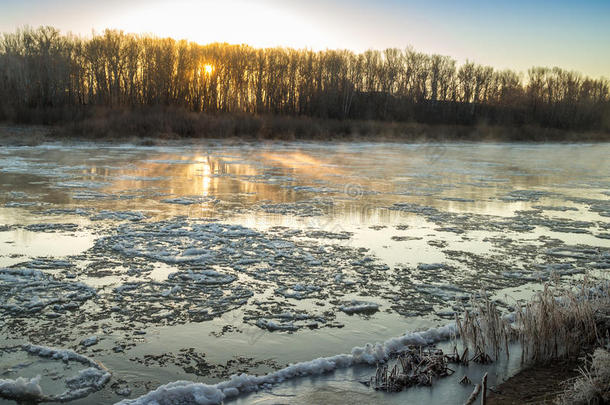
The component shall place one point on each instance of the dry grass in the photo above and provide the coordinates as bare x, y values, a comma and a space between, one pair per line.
484, 331
559, 322
593, 386
11, 135
156, 124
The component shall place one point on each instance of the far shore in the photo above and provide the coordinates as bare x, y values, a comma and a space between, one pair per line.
159, 127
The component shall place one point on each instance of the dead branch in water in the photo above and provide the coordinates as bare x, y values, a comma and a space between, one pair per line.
474, 395
414, 367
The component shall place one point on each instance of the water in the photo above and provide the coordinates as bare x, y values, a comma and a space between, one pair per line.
200, 261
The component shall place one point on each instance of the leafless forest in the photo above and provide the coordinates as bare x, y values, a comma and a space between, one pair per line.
48, 78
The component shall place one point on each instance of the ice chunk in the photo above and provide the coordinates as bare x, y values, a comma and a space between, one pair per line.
203, 277
119, 216
189, 200
359, 307
90, 341
430, 266
21, 389
272, 326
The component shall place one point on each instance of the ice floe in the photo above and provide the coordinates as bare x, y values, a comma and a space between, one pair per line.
305, 208
27, 291
118, 216
51, 227
190, 200
355, 306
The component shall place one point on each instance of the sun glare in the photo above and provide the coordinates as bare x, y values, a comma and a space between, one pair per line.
208, 69
204, 21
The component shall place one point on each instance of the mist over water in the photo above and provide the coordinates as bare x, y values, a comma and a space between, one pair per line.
195, 262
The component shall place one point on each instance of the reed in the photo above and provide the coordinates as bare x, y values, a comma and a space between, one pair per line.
484, 330
559, 321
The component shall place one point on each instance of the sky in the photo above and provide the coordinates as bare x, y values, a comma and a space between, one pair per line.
506, 34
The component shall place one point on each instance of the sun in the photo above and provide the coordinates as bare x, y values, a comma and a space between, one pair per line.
208, 69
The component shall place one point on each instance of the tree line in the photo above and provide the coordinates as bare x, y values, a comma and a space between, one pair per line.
44, 69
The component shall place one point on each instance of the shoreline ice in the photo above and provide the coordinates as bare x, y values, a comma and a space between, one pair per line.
187, 392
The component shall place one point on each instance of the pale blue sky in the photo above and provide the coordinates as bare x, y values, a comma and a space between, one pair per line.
513, 34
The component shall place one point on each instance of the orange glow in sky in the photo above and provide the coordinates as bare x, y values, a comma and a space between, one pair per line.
516, 34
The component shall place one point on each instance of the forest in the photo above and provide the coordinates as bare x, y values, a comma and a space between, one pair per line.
47, 77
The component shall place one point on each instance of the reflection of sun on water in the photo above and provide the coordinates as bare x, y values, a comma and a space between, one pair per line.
205, 171
304, 163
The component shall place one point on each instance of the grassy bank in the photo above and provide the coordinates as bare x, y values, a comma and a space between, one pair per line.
553, 331
157, 124
565, 338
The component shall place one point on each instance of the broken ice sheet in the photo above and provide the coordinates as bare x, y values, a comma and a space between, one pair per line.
24, 292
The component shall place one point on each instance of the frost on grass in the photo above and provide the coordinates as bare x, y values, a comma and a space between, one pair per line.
593, 386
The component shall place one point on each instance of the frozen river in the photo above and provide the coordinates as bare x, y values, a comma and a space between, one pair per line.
197, 262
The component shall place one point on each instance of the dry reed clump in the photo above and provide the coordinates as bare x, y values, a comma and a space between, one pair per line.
484, 330
593, 386
559, 322
555, 323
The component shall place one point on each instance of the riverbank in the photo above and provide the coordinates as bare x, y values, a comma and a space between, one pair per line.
539, 384
583, 377
156, 126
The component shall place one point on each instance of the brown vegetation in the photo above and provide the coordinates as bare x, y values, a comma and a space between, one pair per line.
556, 328
415, 367
165, 123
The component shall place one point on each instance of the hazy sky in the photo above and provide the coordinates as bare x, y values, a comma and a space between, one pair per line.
514, 34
